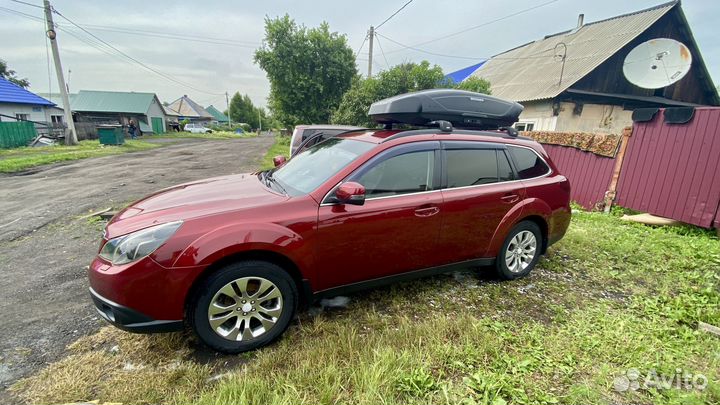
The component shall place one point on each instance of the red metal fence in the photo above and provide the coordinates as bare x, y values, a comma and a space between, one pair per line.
589, 174
670, 170
673, 170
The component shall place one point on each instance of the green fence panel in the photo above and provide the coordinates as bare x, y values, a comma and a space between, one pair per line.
15, 134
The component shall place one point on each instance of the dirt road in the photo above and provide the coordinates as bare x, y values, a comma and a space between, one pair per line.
45, 246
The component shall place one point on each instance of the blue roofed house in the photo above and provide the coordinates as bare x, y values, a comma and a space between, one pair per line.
18, 104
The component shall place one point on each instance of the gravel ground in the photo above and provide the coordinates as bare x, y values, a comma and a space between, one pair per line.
45, 245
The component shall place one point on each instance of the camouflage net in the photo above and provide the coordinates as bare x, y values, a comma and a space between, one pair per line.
599, 144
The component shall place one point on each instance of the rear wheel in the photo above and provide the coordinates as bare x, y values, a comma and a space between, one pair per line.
520, 252
243, 306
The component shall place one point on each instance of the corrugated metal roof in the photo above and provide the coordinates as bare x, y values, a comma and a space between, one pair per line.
188, 108
56, 98
219, 116
112, 101
12, 93
531, 72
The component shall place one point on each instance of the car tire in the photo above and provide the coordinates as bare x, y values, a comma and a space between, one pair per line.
520, 252
252, 303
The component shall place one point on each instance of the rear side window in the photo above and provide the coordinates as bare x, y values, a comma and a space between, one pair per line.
471, 167
527, 162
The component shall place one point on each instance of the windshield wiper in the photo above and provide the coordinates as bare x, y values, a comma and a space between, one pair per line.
270, 179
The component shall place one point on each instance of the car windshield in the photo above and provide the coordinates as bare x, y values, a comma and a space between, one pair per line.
309, 169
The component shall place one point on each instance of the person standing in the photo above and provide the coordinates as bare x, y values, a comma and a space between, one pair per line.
132, 129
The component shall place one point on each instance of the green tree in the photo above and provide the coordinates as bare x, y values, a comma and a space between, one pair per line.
243, 110
399, 79
309, 70
10, 75
474, 83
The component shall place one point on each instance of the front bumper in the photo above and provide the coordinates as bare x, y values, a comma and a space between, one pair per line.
129, 319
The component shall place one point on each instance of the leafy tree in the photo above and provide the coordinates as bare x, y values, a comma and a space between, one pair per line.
309, 70
242, 109
399, 79
10, 76
474, 83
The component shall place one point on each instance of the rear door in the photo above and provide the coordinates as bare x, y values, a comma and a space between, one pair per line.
479, 188
397, 228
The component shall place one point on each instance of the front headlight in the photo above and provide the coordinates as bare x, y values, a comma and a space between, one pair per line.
136, 245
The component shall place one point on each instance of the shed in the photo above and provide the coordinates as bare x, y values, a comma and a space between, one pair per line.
120, 107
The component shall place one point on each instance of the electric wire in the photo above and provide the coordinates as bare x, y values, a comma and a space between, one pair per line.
382, 51
414, 47
393, 14
145, 66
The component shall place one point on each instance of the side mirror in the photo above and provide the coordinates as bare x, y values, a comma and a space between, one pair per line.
351, 193
279, 160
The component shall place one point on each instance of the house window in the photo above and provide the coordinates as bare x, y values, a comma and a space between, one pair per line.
22, 117
56, 119
524, 126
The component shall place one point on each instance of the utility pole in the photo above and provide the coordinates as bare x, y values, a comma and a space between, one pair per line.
227, 104
371, 34
70, 134
259, 121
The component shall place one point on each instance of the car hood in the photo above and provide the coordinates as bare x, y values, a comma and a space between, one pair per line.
192, 200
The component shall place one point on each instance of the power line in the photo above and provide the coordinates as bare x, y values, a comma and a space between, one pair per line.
241, 44
381, 50
393, 14
361, 46
476, 26
157, 72
27, 4
459, 56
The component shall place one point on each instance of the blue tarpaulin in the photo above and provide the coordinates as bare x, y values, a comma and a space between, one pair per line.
462, 74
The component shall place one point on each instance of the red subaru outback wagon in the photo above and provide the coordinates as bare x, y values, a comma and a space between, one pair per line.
235, 256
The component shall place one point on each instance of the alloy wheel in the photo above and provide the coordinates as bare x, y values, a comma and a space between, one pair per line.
520, 251
245, 308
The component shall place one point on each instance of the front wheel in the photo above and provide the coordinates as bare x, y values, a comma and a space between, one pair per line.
520, 252
243, 306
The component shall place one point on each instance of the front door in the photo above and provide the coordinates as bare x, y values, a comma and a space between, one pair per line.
157, 125
397, 228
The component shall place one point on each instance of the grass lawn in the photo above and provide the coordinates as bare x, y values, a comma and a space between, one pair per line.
14, 160
612, 300
280, 147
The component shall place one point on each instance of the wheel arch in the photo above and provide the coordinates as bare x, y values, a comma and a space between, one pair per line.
284, 262
543, 225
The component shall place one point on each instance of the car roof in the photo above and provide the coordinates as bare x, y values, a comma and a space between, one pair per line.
382, 135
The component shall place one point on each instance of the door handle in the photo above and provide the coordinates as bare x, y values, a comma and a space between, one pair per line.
510, 198
426, 212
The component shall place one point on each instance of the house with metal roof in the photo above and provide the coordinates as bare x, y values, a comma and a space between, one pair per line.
573, 80
117, 107
19, 104
218, 116
189, 110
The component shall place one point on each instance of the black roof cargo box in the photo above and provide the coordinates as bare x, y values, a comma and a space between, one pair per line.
463, 109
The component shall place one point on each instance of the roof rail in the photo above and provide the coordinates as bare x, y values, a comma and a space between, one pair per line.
510, 133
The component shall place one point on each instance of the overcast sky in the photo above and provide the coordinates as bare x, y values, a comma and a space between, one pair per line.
213, 68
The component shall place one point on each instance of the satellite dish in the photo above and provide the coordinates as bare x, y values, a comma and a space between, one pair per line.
657, 63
